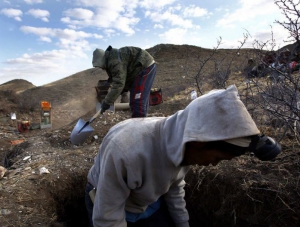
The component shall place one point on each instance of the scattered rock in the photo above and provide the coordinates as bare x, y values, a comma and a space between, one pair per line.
2, 171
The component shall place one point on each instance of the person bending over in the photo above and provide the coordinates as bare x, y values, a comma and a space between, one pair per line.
129, 69
137, 179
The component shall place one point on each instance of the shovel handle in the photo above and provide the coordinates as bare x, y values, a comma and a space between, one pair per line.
95, 116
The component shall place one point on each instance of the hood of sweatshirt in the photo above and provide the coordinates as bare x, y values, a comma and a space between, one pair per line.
98, 58
217, 115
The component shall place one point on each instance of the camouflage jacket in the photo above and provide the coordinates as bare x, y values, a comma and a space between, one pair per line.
122, 66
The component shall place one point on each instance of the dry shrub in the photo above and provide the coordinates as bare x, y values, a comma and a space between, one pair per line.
5, 109
8, 99
27, 102
9, 95
245, 192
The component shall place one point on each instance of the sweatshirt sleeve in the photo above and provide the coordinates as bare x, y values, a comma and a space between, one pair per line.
111, 194
176, 203
118, 73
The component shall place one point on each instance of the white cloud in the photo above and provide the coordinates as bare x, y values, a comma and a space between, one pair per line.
37, 31
40, 59
265, 35
110, 33
158, 26
174, 35
76, 47
31, 2
194, 11
175, 8
55, 62
247, 12
150, 4
182, 36
47, 66
121, 14
59, 33
125, 24
39, 13
219, 9
259, 38
96, 36
176, 16
12, 13
67, 39
45, 39
108, 4
79, 13
170, 18
118, 14
116, 7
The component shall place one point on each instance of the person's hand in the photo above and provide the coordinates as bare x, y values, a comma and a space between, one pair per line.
104, 107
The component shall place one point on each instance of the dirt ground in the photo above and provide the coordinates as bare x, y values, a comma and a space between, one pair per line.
46, 175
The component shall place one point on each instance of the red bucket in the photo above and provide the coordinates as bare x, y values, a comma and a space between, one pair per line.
155, 97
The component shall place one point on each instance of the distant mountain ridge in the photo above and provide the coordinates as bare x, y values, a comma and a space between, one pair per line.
17, 85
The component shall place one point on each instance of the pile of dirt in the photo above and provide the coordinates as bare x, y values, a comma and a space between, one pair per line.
246, 192
46, 176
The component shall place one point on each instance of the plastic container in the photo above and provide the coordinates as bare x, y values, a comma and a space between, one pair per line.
45, 105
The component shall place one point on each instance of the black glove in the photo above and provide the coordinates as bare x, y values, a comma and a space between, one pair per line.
104, 107
264, 147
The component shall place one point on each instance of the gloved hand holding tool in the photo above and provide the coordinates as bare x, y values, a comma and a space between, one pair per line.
104, 107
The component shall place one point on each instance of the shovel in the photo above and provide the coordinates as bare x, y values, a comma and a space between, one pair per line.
82, 130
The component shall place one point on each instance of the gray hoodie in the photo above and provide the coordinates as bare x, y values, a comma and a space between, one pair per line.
139, 159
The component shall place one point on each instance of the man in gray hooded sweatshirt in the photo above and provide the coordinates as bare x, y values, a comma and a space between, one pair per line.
138, 173
129, 69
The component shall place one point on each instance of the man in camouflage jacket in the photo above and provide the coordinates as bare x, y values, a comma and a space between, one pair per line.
129, 69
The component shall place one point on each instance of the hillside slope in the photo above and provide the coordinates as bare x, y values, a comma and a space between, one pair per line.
70, 97
17, 85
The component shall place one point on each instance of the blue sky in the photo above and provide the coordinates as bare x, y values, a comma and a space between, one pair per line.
46, 40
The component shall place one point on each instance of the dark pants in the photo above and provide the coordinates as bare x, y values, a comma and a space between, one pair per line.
88, 203
161, 218
140, 92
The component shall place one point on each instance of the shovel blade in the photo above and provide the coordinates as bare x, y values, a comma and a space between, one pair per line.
81, 132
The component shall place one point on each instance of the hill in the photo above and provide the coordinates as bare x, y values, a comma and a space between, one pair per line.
70, 97
17, 85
